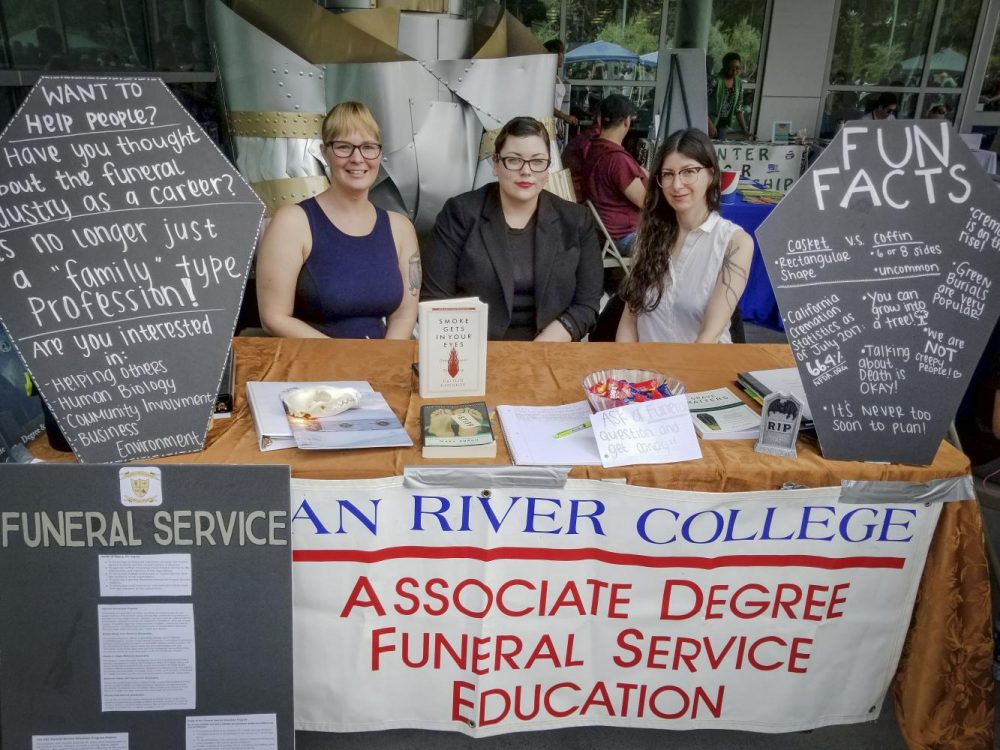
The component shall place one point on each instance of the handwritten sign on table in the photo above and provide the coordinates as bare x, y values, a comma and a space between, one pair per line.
125, 241
651, 432
883, 259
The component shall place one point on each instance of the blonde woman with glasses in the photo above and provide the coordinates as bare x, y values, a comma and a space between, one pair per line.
689, 265
533, 257
335, 265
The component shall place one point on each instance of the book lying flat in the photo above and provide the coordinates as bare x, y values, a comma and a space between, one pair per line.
531, 435
759, 384
457, 431
720, 414
269, 418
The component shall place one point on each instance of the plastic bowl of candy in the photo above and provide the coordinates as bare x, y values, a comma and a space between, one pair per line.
607, 389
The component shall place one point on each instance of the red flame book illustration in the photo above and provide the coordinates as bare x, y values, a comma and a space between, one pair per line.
453, 362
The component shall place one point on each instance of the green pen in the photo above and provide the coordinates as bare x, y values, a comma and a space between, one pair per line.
571, 430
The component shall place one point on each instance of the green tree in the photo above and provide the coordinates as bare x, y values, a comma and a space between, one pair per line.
637, 35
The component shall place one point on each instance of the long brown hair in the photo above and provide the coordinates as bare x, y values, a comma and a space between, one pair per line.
658, 227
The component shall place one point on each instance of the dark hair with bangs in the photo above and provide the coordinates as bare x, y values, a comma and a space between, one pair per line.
521, 127
658, 226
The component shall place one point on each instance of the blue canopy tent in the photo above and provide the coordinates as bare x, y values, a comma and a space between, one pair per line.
598, 51
649, 59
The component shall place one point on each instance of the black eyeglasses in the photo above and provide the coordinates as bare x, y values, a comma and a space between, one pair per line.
514, 163
345, 150
688, 175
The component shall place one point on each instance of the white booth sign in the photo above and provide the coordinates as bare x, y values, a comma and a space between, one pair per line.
498, 611
775, 165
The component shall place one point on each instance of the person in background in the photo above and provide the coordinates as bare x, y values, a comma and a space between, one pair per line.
561, 110
886, 107
574, 157
937, 112
725, 99
335, 265
689, 265
533, 257
614, 181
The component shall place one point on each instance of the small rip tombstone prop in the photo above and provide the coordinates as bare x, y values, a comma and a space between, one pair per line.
883, 258
125, 242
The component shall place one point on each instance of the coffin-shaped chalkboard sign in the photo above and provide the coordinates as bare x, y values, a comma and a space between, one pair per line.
883, 258
125, 241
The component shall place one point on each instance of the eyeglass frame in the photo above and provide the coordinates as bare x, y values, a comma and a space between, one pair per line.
332, 145
674, 175
504, 159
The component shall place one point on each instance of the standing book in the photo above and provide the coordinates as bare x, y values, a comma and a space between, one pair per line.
457, 431
720, 414
452, 348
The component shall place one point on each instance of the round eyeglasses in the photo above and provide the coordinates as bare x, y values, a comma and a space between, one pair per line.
514, 163
687, 176
345, 150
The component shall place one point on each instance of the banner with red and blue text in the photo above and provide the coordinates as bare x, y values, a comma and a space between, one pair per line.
490, 611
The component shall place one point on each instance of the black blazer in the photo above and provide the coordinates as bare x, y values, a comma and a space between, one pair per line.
467, 257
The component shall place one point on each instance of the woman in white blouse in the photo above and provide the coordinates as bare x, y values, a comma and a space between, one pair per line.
689, 265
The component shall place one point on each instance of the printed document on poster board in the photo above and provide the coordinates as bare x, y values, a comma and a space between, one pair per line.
247, 732
145, 575
111, 741
147, 656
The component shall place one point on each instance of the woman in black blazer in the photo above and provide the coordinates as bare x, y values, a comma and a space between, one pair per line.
533, 257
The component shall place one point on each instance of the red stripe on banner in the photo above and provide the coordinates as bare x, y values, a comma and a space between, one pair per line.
599, 555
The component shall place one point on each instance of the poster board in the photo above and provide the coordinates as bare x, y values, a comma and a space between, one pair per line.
125, 242
775, 165
883, 259
520, 608
681, 99
113, 578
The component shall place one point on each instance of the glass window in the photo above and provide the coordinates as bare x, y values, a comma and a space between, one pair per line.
181, 41
605, 38
64, 35
737, 26
989, 96
881, 42
953, 44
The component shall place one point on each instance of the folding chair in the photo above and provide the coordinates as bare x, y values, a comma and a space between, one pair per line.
609, 251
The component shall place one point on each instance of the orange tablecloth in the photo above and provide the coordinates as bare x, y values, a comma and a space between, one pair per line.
943, 687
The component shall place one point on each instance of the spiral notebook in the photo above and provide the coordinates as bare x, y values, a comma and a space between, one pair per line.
530, 433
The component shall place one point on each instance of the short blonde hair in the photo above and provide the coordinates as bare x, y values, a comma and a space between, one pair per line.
349, 117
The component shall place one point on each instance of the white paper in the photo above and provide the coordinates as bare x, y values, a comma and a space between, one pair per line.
145, 575
115, 741
531, 431
237, 732
651, 432
147, 656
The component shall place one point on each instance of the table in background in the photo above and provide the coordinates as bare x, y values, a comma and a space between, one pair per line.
943, 686
758, 304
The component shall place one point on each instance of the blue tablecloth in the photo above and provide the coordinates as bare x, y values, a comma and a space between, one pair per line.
758, 304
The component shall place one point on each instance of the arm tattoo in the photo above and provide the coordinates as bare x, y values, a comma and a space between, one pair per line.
729, 270
415, 274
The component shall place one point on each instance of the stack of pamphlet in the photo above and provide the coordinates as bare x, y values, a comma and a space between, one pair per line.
719, 414
371, 424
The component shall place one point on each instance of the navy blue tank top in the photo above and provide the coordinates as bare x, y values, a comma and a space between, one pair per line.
348, 284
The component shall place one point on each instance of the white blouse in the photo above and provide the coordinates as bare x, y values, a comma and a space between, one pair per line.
690, 281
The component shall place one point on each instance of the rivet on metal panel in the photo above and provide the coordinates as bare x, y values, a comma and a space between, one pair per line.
289, 96
281, 83
296, 106
460, 79
274, 70
286, 71
284, 197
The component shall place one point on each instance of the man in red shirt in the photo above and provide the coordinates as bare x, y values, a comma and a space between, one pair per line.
616, 183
